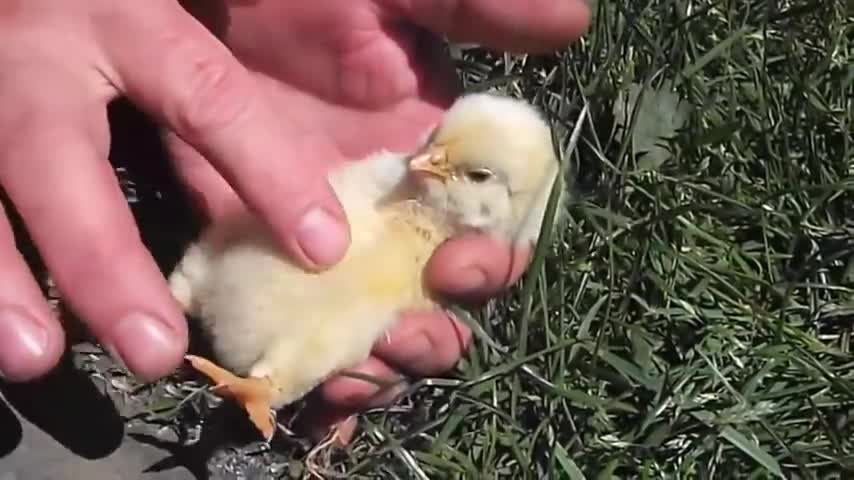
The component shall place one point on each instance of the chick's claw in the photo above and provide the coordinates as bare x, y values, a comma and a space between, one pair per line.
342, 432
251, 393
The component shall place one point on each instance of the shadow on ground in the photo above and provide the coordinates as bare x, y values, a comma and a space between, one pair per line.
12, 433
66, 405
227, 447
62, 426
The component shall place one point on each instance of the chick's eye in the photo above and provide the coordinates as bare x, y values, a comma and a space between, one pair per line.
478, 175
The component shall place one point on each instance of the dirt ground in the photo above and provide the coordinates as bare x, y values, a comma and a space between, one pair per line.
88, 420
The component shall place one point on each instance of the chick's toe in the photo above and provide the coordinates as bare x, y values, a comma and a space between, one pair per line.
253, 394
342, 432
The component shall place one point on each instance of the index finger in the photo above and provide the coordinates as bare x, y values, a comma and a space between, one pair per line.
186, 78
475, 267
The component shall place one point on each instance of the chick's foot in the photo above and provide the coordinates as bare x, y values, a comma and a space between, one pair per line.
253, 394
342, 432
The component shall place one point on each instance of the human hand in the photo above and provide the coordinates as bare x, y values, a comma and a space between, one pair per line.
60, 64
369, 76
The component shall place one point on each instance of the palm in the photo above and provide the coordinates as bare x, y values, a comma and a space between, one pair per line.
356, 72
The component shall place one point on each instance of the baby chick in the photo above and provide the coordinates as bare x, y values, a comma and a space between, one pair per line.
278, 330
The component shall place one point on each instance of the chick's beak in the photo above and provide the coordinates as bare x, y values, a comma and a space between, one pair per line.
433, 161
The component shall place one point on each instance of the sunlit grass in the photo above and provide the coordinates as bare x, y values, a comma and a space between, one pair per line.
693, 318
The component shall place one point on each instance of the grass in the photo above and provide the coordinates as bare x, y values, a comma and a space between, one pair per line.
693, 317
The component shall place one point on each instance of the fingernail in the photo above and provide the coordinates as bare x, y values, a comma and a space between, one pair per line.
322, 237
145, 345
22, 340
471, 280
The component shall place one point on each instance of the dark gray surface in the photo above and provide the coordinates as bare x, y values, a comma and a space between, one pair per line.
88, 420
64, 428
38, 455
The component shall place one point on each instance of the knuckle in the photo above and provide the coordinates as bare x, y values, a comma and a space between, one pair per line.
464, 338
215, 96
24, 139
107, 251
8, 244
19, 120
447, 355
454, 350
446, 359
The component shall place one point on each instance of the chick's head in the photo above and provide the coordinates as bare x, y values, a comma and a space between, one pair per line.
489, 166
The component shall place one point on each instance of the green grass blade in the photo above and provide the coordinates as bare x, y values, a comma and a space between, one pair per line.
753, 450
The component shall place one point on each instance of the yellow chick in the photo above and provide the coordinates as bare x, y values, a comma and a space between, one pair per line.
278, 330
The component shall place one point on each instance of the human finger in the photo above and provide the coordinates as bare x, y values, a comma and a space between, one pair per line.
375, 383
319, 417
54, 169
31, 339
211, 195
516, 25
475, 267
424, 343
191, 82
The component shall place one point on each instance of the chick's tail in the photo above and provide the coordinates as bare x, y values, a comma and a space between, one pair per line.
189, 272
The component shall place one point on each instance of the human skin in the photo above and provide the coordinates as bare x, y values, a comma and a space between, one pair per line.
253, 121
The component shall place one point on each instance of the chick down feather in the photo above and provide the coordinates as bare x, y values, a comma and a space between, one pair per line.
267, 317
